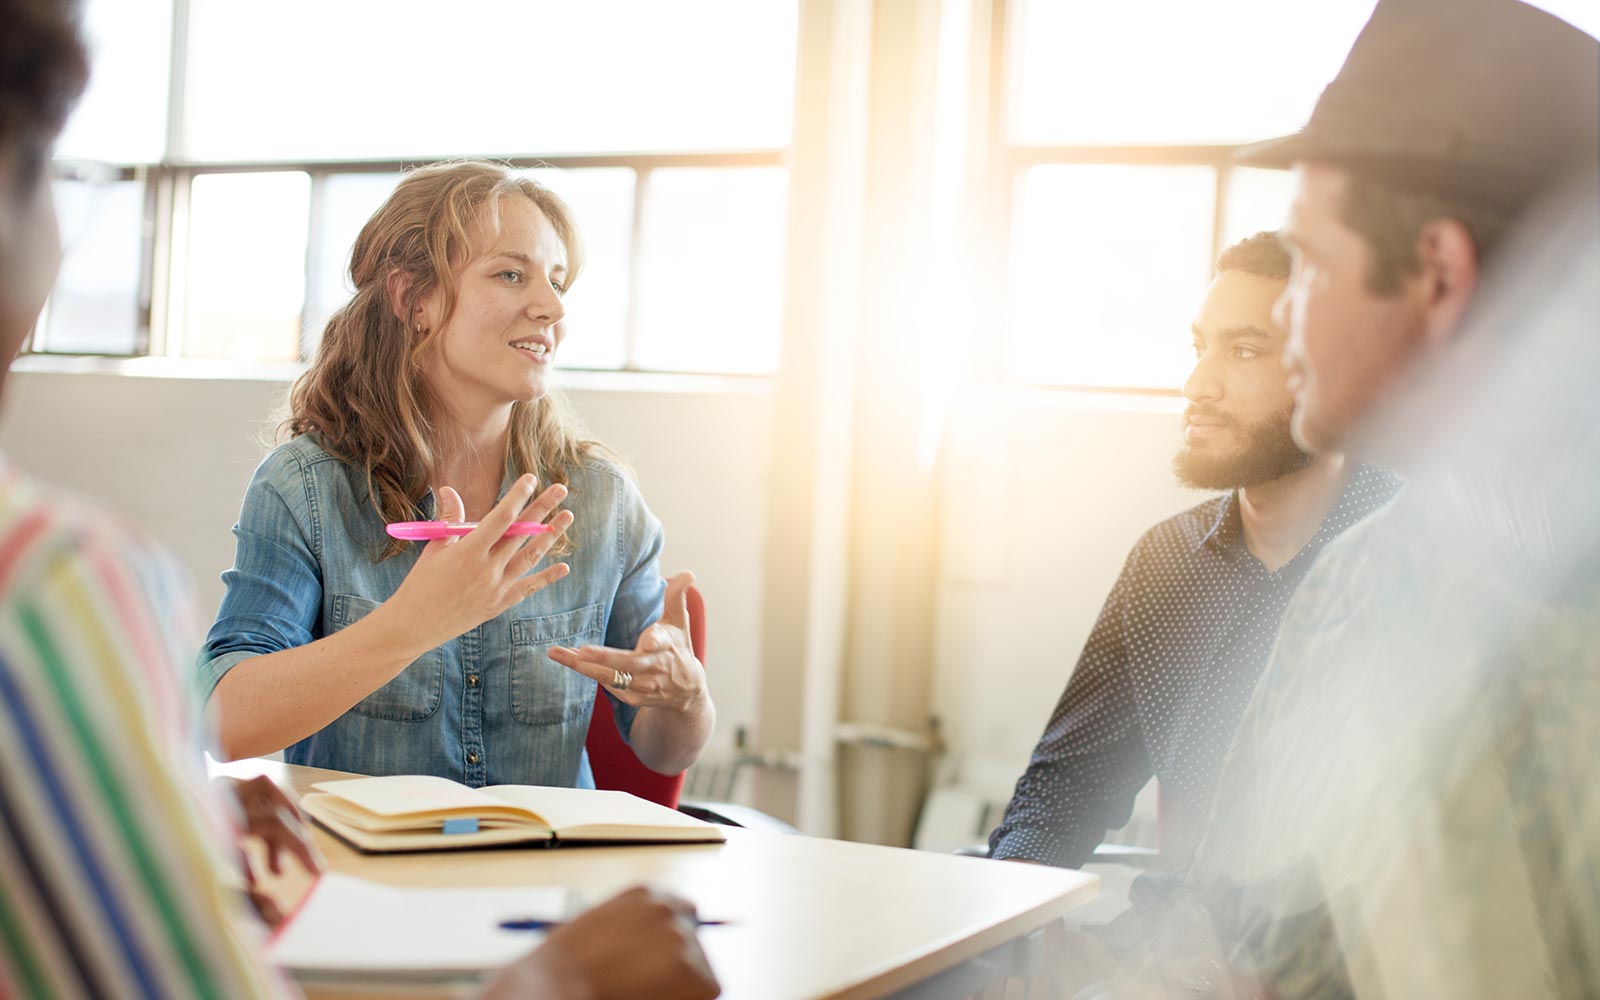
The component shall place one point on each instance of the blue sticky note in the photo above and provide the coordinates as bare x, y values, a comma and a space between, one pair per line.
469, 825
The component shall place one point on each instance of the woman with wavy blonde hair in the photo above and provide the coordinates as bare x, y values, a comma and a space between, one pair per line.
429, 399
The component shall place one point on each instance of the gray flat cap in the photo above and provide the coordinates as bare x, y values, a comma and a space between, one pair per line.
1485, 100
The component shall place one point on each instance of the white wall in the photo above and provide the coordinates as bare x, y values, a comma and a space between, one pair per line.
1061, 485
701, 457
172, 454
175, 454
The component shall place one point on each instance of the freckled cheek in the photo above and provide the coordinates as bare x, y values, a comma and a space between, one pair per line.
484, 326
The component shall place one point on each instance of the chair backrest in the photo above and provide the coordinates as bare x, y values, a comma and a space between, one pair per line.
613, 761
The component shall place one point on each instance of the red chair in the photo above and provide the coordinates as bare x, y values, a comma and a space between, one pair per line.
612, 760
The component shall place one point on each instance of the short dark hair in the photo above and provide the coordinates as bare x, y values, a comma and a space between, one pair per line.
43, 70
1389, 219
1262, 254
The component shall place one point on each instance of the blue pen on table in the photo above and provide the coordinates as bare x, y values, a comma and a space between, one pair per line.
545, 925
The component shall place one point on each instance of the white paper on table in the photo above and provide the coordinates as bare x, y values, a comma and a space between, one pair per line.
352, 927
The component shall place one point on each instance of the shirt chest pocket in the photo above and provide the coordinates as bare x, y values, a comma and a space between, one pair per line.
415, 693
543, 692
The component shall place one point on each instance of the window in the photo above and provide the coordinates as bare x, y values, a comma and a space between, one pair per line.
95, 307
602, 199
340, 205
122, 117
710, 287
1108, 262
1172, 73
1113, 156
401, 79
246, 277
1121, 124
237, 204
102, 295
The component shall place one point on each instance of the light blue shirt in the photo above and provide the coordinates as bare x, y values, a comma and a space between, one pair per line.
489, 706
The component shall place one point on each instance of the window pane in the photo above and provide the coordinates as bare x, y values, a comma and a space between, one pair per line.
711, 270
246, 277
1173, 71
94, 307
344, 203
1257, 200
1107, 267
123, 115
597, 307
412, 78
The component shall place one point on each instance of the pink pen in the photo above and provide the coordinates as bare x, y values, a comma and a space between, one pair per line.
427, 531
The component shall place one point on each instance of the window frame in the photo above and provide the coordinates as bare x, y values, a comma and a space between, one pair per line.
84, 171
1011, 161
163, 264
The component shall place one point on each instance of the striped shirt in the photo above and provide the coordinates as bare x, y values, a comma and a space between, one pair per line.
114, 864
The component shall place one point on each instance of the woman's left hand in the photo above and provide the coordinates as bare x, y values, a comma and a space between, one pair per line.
661, 671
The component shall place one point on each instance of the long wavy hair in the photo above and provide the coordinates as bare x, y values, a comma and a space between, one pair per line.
365, 398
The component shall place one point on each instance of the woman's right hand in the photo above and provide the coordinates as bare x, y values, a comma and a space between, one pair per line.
460, 583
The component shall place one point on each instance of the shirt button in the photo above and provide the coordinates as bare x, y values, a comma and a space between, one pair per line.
472, 757
472, 680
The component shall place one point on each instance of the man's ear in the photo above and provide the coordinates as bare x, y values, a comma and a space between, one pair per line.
1449, 260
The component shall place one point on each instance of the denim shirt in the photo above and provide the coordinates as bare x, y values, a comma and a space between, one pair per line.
489, 706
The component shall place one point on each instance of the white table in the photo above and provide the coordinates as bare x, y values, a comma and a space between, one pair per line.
809, 917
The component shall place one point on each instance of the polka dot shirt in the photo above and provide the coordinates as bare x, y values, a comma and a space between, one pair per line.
1162, 682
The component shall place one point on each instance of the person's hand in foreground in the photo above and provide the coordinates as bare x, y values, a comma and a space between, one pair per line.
270, 817
638, 944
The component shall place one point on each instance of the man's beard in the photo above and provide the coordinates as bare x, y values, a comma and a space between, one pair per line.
1269, 452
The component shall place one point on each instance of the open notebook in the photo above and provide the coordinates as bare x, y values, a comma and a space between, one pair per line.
413, 812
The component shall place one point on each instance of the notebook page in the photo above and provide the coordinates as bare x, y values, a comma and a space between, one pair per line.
564, 808
351, 926
403, 794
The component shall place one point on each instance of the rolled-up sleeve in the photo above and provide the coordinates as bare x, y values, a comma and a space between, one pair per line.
273, 595
637, 604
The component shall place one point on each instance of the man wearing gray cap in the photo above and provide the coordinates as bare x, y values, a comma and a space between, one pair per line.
1447, 120
1409, 808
